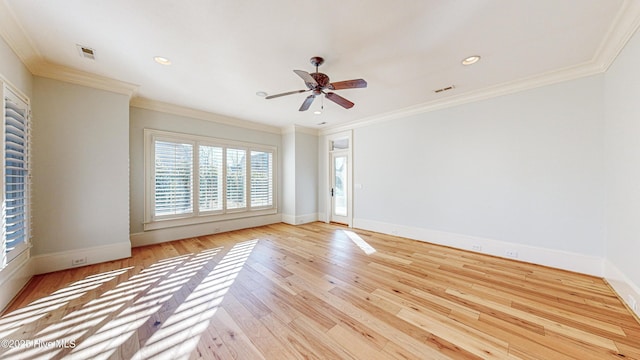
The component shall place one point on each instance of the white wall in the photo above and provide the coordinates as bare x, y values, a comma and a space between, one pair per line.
622, 155
522, 171
149, 119
80, 174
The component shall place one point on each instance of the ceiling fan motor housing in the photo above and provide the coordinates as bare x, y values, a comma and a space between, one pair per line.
321, 79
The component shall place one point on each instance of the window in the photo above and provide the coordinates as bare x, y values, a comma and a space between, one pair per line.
210, 169
236, 179
194, 179
261, 178
16, 175
173, 178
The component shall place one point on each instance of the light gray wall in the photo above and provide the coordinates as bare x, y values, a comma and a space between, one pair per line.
289, 173
526, 168
80, 167
306, 174
300, 170
148, 119
12, 69
622, 144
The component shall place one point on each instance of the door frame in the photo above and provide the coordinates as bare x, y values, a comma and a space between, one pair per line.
346, 135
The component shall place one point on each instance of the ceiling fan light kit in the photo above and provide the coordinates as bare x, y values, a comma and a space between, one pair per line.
318, 83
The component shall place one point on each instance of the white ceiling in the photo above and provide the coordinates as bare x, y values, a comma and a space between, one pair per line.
223, 52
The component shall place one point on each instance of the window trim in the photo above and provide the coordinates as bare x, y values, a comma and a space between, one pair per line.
200, 217
22, 251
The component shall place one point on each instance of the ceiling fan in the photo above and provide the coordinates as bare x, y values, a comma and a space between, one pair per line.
318, 82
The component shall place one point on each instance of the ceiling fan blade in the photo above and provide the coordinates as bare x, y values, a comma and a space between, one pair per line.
348, 84
340, 100
307, 102
308, 79
284, 94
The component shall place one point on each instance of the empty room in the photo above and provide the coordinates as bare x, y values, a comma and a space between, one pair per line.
292, 179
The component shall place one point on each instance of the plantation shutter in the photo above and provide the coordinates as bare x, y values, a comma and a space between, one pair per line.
193, 179
173, 178
261, 178
236, 178
210, 171
16, 176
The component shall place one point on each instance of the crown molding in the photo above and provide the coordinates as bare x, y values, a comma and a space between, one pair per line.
154, 105
624, 26
549, 78
14, 35
622, 29
292, 129
73, 76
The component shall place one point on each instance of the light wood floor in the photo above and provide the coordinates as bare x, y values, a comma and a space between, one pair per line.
316, 291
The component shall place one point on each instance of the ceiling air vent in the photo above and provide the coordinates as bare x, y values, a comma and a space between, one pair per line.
450, 87
86, 52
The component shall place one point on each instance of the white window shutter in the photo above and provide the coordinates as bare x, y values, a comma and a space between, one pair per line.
16, 180
236, 178
194, 179
261, 179
173, 178
211, 194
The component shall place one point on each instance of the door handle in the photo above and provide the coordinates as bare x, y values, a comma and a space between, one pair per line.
331, 192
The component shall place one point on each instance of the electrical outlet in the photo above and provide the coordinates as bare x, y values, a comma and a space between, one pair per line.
476, 248
79, 261
512, 254
632, 303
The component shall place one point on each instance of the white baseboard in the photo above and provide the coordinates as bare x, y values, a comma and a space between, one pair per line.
581, 263
47, 263
299, 219
625, 288
188, 231
14, 277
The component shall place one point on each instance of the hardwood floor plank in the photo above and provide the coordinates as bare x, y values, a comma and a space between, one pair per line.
261, 337
234, 338
321, 345
353, 343
312, 292
549, 325
527, 344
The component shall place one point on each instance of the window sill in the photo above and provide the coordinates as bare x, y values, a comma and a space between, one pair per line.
194, 220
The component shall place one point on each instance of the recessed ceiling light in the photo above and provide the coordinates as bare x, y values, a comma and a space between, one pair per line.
318, 112
261, 93
471, 60
162, 60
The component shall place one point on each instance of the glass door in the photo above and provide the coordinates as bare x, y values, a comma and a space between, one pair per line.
340, 205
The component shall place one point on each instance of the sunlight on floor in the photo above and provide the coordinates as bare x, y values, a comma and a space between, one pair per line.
10, 322
179, 334
368, 249
164, 308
